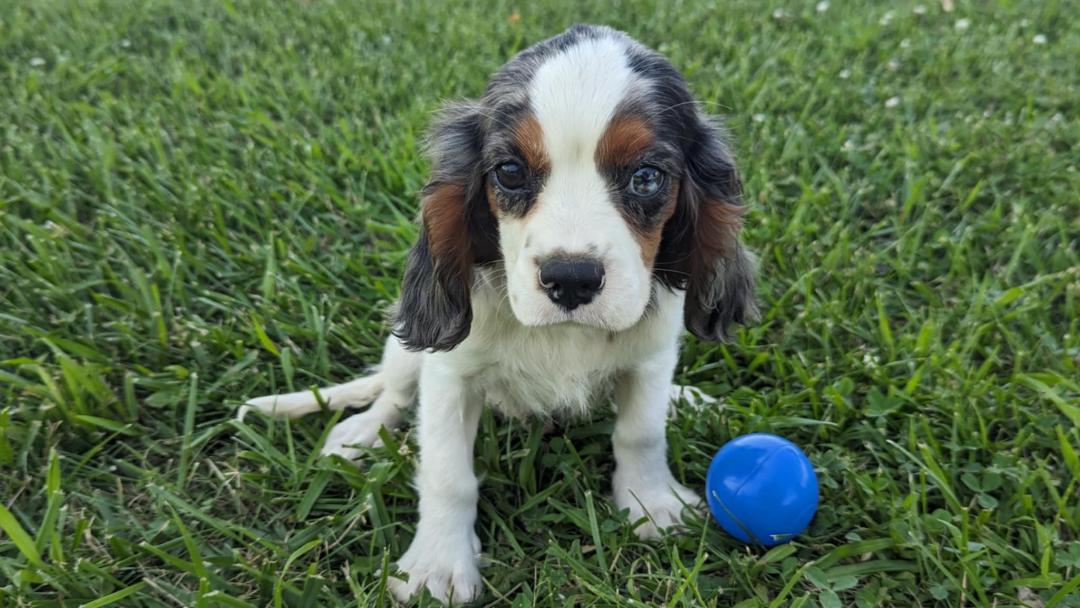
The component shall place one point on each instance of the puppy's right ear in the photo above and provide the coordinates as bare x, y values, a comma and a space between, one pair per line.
457, 231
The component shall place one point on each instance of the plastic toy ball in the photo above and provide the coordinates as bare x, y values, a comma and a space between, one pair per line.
762, 489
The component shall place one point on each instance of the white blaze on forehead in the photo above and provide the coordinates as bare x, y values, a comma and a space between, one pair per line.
574, 95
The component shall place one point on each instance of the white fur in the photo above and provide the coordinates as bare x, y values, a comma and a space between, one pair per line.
524, 355
573, 96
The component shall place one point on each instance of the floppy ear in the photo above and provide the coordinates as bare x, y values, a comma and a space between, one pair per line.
457, 231
700, 249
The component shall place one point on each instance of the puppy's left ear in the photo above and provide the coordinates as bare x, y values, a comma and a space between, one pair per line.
700, 249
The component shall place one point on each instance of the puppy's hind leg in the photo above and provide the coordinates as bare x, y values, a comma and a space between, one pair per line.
355, 393
398, 372
398, 376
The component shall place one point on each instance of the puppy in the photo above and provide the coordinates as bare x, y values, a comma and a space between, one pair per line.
578, 216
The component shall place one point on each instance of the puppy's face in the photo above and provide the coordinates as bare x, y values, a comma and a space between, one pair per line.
588, 170
582, 178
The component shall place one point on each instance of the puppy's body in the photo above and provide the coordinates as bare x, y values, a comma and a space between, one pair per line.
577, 216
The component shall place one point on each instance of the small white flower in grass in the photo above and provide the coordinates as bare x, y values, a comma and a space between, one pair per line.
848, 145
892, 102
871, 361
962, 24
37, 62
56, 229
893, 65
887, 18
125, 43
822, 6
845, 74
1039, 39
919, 9
758, 117
779, 14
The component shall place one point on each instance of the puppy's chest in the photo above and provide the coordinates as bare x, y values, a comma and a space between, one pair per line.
555, 370
545, 374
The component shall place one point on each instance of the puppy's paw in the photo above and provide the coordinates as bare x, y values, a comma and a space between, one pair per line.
273, 406
662, 504
349, 436
448, 569
691, 394
289, 405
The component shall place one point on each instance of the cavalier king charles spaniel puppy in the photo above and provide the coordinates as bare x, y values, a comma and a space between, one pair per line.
577, 218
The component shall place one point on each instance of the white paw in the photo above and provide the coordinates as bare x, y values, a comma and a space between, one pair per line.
662, 505
349, 436
691, 395
449, 569
274, 406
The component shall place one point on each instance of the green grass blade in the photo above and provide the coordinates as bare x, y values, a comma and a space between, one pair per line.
19, 537
115, 597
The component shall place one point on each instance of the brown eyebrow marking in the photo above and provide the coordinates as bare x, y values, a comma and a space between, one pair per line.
621, 146
626, 136
529, 138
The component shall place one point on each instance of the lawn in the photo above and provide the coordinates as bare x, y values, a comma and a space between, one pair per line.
211, 200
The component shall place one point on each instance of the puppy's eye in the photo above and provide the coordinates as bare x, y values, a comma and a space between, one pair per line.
510, 176
646, 181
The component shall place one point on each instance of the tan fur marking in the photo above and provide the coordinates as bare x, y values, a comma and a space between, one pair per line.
620, 146
492, 201
444, 218
622, 142
716, 233
529, 137
649, 241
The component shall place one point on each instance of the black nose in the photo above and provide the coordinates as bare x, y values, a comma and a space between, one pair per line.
571, 282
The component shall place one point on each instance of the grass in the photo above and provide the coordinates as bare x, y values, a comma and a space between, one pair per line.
207, 201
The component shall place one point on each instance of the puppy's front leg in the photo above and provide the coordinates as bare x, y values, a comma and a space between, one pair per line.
443, 556
643, 483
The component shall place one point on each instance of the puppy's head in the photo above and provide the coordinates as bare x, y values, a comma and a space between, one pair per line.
589, 171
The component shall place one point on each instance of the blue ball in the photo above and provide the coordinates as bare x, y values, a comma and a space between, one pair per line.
762, 489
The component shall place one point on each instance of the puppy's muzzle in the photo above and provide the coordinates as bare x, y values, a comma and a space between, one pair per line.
571, 281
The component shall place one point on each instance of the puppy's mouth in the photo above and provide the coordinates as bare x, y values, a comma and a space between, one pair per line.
582, 316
